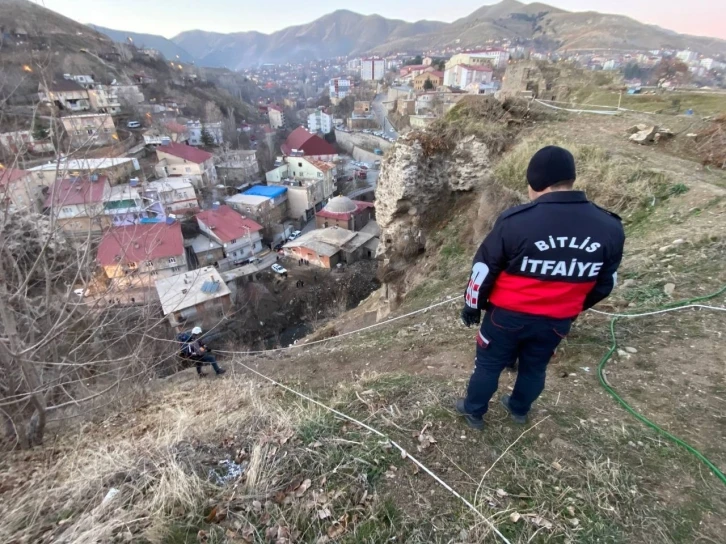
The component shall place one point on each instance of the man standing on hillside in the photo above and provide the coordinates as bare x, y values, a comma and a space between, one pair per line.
541, 265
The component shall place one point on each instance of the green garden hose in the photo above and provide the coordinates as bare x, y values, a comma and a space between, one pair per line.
603, 381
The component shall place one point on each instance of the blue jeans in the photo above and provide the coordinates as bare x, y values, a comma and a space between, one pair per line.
504, 337
208, 359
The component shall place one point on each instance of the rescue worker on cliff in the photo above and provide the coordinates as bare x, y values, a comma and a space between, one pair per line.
541, 265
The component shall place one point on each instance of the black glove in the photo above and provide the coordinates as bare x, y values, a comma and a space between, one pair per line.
470, 316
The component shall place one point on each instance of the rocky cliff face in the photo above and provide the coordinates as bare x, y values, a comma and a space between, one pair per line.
415, 191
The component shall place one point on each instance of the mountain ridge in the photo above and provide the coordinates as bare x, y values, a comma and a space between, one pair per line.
344, 32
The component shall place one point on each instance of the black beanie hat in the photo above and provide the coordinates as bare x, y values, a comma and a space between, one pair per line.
550, 165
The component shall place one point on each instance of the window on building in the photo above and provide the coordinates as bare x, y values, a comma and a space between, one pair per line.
187, 169
320, 174
172, 260
175, 269
299, 165
67, 210
154, 273
233, 241
148, 264
132, 266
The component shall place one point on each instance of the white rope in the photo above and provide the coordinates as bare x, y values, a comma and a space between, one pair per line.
386, 322
656, 312
403, 451
599, 112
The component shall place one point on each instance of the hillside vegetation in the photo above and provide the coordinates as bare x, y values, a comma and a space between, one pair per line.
241, 460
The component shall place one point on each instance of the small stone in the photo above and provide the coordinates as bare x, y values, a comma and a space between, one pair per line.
668, 288
664, 249
628, 283
631, 350
679, 242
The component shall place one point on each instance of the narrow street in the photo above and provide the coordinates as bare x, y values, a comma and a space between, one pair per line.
379, 110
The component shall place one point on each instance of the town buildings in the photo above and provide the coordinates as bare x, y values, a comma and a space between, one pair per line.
320, 121
76, 204
344, 213
463, 75
186, 161
116, 169
372, 69
435, 78
198, 298
137, 255
196, 129
339, 88
496, 58
276, 116
90, 129
300, 142
238, 168
267, 205
65, 95
171, 195
239, 236
19, 189
327, 247
22, 142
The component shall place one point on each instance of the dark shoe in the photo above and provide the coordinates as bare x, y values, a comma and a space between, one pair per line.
472, 421
515, 417
221, 371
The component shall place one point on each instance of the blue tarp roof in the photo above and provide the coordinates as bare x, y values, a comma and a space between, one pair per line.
265, 190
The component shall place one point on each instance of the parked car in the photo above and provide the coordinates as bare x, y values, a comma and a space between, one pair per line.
277, 269
133, 124
295, 234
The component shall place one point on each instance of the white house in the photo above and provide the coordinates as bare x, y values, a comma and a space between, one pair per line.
373, 69
196, 128
320, 121
172, 195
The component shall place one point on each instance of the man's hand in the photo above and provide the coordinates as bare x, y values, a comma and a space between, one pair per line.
470, 316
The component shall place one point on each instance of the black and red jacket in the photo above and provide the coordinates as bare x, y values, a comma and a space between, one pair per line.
553, 257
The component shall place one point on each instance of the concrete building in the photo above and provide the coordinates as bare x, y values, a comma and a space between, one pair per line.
406, 106
196, 128
339, 88
320, 121
310, 184
76, 204
496, 58
112, 98
137, 255
90, 129
373, 69
687, 55
206, 251
198, 298
436, 78
331, 246
65, 95
124, 206
276, 116
462, 75
267, 205
301, 143
344, 213
238, 168
117, 170
239, 236
20, 190
173, 195
179, 160
22, 142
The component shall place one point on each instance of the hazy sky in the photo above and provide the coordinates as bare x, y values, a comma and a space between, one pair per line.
169, 17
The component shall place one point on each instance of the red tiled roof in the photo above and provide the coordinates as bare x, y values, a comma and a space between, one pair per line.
360, 206
68, 192
309, 144
186, 152
173, 126
10, 175
227, 224
138, 243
